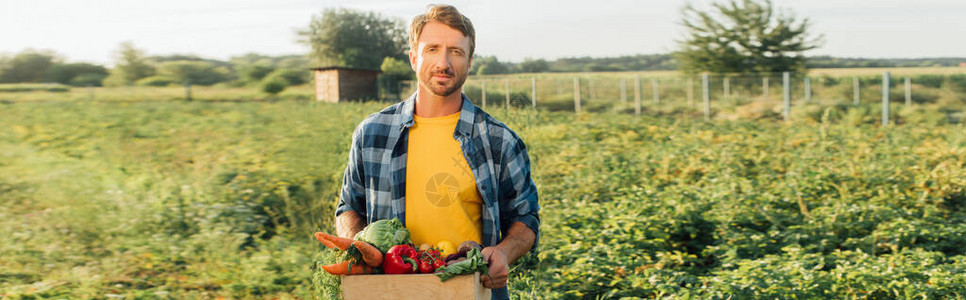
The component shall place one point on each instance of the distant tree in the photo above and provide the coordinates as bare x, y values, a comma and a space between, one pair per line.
80, 74
741, 36
394, 71
254, 72
291, 76
534, 65
27, 66
484, 65
193, 72
131, 64
351, 38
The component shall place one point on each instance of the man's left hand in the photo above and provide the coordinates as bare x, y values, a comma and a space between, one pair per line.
498, 268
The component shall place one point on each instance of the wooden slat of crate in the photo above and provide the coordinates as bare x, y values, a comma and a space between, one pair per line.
412, 286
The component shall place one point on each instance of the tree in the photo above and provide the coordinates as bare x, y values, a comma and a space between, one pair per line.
27, 66
193, 72
743, 36
484, 65
394, 71
131, 64
534, 65
79, 74
350, 38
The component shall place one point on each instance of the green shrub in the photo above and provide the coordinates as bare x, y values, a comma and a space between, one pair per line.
30, 87
273, 85
291, 76
157, 80
89, 79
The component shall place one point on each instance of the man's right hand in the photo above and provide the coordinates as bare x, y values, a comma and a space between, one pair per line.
348, 223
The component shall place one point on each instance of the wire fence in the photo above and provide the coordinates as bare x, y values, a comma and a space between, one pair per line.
716, 96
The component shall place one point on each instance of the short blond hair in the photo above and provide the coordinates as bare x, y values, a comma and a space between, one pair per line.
447, 15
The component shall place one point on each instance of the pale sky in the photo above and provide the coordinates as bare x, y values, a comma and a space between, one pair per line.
91, 30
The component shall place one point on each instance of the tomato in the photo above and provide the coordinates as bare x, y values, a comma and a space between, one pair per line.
426, 266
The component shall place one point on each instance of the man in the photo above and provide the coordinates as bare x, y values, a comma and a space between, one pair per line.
441, 165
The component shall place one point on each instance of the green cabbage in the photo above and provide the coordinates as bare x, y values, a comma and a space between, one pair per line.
384, 234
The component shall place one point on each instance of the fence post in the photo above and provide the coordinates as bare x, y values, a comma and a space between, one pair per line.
506, 83
576, 95
764, 84
786, 95
908, 92
690, 91
808, 90
187, 91
533, 83
90, 92
855, 90
656, 86
727, 87
483, 83
637, 94
623, 91
885, 98
707, 96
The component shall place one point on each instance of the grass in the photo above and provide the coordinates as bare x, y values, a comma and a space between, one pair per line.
170, 93
160, 198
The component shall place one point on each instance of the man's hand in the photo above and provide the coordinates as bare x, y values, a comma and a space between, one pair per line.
516, 243
499, 267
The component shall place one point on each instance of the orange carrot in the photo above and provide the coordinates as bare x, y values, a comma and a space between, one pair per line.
342, 268
332, 241
370, 255
321, 237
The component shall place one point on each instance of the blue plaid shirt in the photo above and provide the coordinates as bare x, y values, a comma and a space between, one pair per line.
374, 185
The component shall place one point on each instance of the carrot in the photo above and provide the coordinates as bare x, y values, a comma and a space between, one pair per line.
321, 237
370, 255
343, 268
332, 241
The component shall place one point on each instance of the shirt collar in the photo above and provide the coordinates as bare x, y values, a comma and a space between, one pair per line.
464, 126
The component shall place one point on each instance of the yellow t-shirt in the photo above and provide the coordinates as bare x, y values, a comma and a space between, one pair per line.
442, 202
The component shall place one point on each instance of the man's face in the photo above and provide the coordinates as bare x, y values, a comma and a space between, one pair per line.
441, 59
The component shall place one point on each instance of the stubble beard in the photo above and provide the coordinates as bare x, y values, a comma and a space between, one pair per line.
442, 90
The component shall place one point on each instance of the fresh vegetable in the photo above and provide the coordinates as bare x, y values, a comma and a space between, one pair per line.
474, 263
347, 268
370, 255
332, 241
467, 245
430, 260
400, 259
445, 248
426, 266
384, 234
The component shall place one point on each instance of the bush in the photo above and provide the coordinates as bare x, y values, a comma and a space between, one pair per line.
273, 85
89, 79
30, 87
155, 81
290, 76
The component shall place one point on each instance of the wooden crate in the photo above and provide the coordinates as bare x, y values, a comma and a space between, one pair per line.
412, 286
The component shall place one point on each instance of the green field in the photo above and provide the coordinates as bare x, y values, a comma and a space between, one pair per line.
208, 199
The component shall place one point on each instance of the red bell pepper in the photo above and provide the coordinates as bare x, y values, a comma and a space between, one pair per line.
400, 259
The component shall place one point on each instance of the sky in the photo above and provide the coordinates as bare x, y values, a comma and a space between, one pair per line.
512, 30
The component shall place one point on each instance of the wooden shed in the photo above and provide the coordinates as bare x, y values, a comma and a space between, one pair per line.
335, 84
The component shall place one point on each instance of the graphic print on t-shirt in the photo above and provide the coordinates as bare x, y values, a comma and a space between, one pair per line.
442, 189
